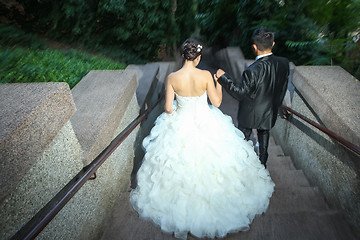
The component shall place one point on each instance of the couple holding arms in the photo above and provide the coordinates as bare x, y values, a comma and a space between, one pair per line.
200, 174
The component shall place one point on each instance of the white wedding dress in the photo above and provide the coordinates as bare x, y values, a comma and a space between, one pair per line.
198, 174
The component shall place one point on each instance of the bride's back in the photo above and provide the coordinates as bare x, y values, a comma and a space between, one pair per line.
189, 82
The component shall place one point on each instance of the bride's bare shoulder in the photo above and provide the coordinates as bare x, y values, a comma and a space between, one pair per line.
172, 76
176, 73
204, 74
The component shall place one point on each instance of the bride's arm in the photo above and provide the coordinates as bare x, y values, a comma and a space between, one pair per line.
169, 96
214, 92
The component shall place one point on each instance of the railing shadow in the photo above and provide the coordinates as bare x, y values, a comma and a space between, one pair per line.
323, 141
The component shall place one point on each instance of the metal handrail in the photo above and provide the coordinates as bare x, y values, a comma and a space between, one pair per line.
354, 148
31, 229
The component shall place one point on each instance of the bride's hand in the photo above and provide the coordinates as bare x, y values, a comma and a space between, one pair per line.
219, 73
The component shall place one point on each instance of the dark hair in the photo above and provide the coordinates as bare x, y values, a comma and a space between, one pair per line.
191, 49
263, 39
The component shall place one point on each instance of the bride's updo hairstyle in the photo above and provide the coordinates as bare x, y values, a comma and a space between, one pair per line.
191, 49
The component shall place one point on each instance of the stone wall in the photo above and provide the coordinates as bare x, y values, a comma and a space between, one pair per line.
45, 141
329, 96
31, 115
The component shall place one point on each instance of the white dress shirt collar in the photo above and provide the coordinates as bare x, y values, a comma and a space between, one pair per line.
264, 55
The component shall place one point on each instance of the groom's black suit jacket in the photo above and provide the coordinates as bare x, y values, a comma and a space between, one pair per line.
260, 91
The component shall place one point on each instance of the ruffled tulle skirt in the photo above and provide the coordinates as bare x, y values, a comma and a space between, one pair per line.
199, 175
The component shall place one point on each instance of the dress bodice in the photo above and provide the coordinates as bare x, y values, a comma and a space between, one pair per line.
191, 102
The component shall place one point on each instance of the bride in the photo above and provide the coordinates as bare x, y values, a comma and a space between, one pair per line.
198, 175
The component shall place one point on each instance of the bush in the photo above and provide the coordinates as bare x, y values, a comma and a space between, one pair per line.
307, 32
25, 57
14, 36
140, 28
21, 65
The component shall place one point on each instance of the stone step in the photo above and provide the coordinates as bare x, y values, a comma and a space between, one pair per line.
126, 225
272, 141
297, 199
300, 226
289, 178
284, 162
275, 151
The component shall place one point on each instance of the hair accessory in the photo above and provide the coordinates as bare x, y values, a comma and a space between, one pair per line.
198, 48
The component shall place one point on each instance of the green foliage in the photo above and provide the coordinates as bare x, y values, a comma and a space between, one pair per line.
217, 21
139, 27
185, 23
292, 44
20, 65
11, 35
340, 17
26, 58
307, 32
343, 52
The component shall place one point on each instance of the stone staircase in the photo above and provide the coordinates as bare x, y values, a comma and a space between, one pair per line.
297, 210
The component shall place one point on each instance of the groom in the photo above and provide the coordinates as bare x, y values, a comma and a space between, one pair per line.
260, 90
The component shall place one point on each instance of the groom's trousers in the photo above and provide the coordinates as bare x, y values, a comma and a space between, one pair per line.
263, 139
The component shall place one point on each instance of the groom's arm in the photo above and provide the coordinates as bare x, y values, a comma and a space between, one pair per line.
237, 91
